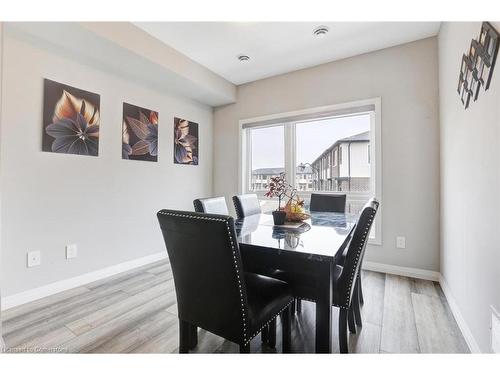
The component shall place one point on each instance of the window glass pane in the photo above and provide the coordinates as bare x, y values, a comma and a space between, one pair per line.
267, 160
333, 155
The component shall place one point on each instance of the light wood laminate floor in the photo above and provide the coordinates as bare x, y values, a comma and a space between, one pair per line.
136, 312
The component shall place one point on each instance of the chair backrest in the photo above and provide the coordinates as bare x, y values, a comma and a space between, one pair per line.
355, 253
327, 202
211, 205
208, 273
246, 205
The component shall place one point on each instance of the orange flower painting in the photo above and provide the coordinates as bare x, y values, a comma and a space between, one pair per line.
71, 120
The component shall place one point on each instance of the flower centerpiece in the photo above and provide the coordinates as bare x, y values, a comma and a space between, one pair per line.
294, 208
278, 187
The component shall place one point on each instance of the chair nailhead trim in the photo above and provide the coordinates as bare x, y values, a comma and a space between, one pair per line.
237, 208
360, 248
198, 206
351, 277
243, 311
269, 321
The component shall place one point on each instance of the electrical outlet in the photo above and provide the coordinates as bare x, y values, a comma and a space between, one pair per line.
34, 258
71, 251
401, 242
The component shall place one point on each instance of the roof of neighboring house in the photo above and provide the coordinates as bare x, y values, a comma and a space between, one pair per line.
361, 137
277, 171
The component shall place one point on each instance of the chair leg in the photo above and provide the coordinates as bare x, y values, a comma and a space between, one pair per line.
360, 290
264, 334
272, 333
185, 332
298, 305
286, 329
350, 320
343, 331
193, 336
355, 304
245, 349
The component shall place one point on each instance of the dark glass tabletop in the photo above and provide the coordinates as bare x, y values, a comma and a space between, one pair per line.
320, 236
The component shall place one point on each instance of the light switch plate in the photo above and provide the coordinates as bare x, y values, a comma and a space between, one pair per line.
401, 242
71, 251
34, 258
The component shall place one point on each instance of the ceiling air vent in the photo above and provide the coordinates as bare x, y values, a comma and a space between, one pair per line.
320, 31
243, 58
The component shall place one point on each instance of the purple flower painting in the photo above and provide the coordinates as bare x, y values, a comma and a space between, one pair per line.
139, 133
70, 120
185, 142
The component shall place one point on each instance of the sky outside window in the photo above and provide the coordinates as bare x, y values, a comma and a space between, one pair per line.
312, 139
268, 147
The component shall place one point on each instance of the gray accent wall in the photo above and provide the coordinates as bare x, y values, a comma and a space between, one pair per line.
405, 77
470, 184
104, 204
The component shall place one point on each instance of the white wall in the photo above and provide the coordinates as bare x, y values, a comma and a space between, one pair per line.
470, 184
1, 67
104, 204
406, 78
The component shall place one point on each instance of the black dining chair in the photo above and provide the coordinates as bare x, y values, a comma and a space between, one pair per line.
215, 205
346, 274
213, 292
246, 205
327, 202
218, 206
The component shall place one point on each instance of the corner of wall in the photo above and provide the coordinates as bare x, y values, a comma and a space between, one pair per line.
2, 343
461, 322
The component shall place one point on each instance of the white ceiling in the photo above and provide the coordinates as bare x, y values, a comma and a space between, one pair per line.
279, 47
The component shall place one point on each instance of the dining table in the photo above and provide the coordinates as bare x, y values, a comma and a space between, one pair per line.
303, 254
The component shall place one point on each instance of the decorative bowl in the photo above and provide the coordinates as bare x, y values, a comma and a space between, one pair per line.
294, 211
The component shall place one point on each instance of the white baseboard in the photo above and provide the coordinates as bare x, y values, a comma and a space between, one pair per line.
416, 273
60, 286
462, 324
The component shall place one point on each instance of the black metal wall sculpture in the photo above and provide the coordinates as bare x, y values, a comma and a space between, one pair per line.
477, 66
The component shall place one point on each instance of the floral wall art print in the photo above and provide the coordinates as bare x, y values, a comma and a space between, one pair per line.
185, 142
139, 133
70, 120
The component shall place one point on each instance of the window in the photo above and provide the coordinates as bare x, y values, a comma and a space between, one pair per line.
267, 150
328, 149
337, 145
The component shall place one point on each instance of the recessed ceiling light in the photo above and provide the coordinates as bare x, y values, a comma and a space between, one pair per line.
320, 31
243, 58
